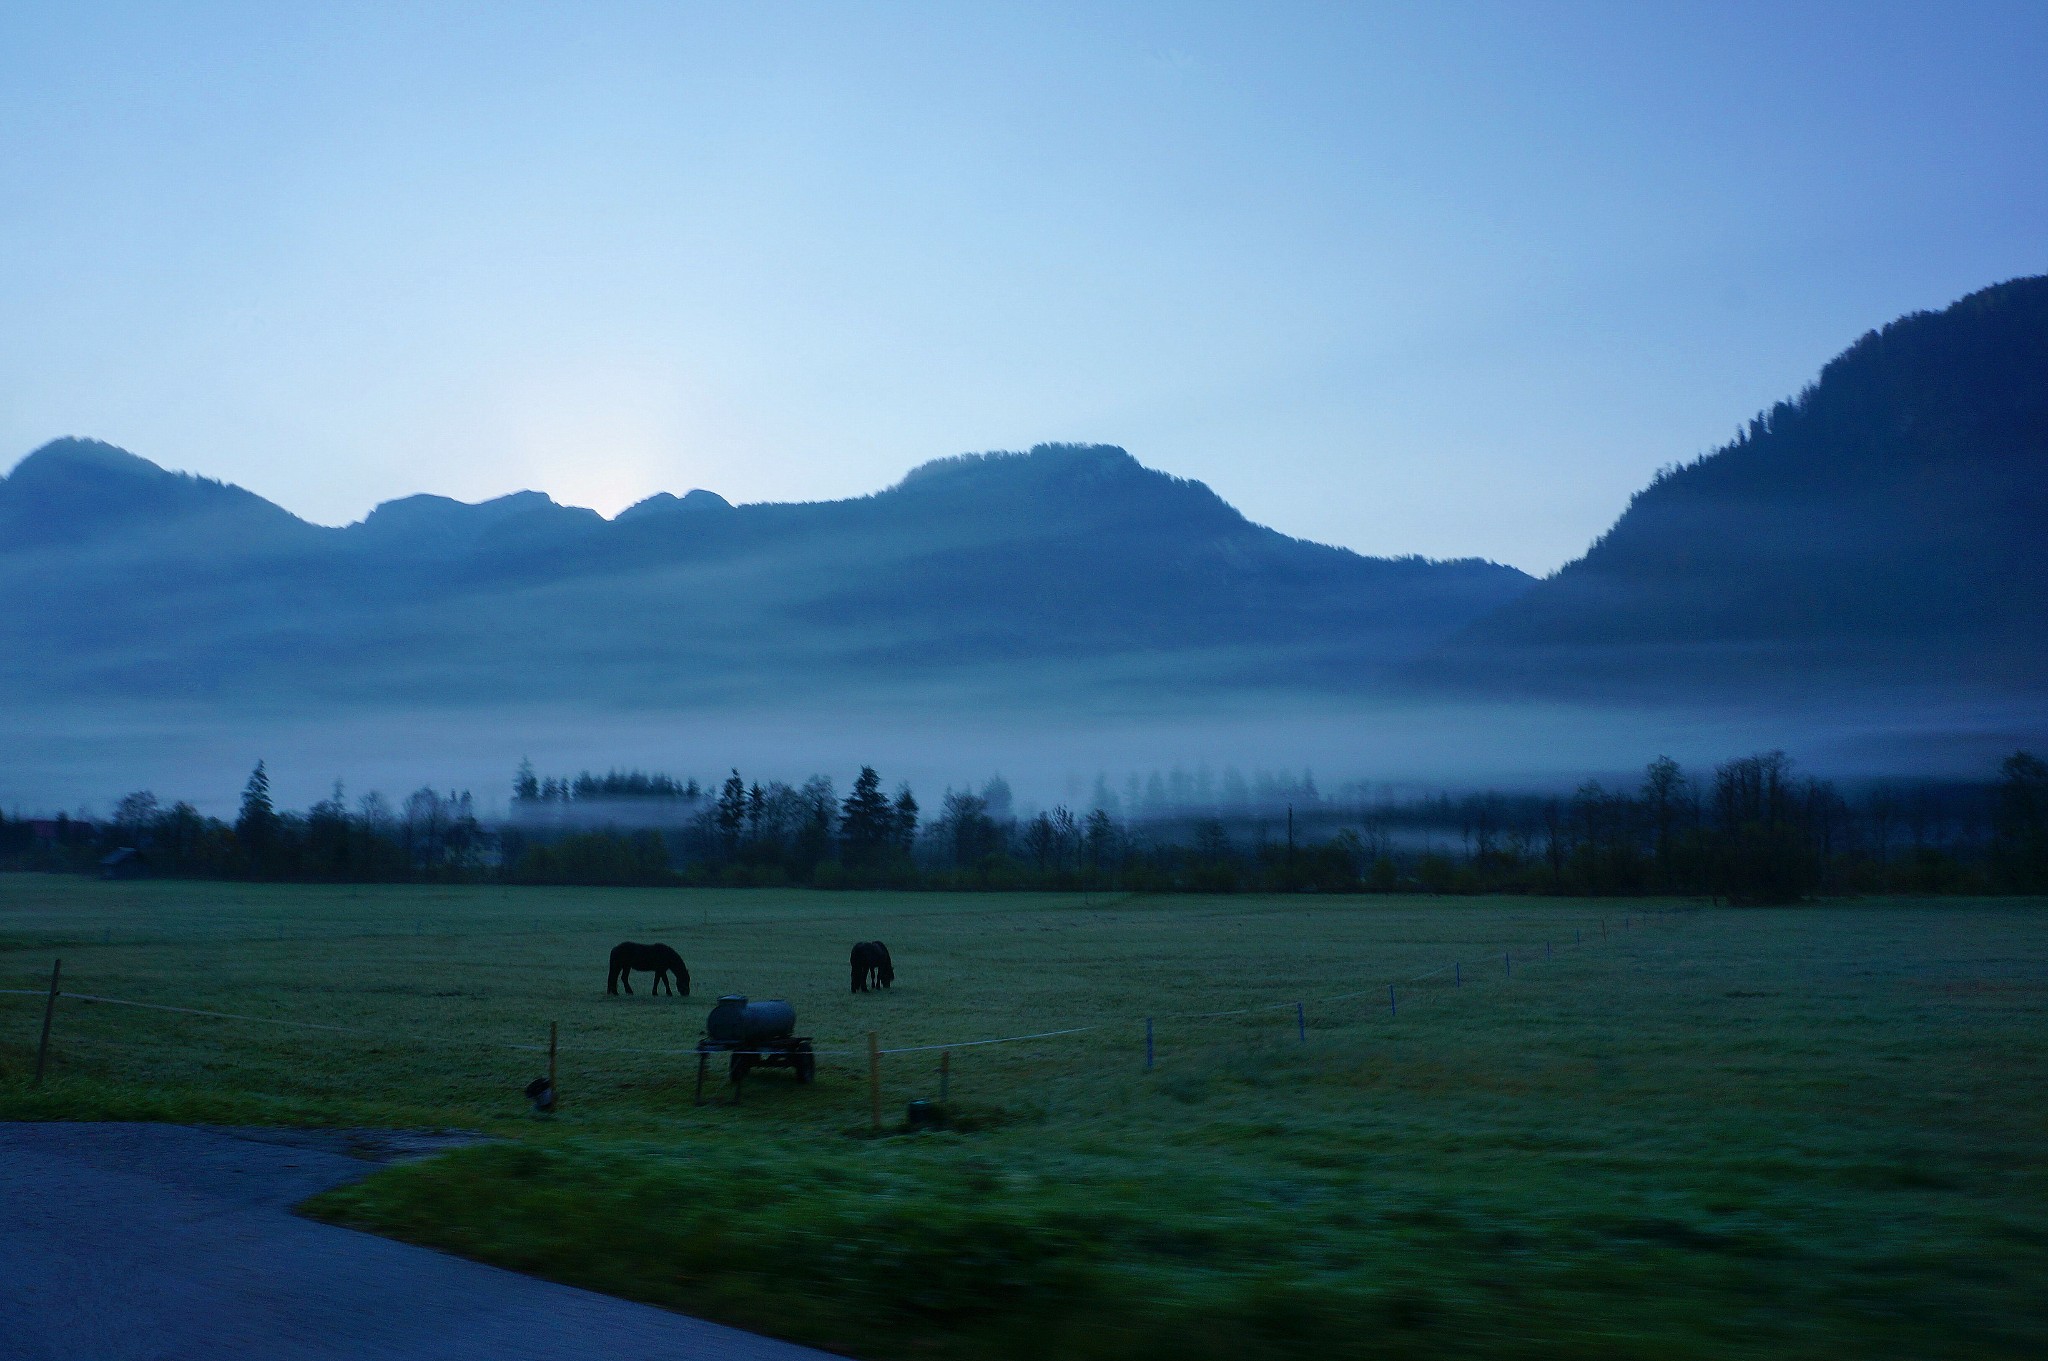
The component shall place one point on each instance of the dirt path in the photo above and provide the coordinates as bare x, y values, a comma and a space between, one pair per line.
122, 1241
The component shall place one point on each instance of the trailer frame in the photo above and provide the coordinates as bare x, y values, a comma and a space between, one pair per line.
787, 1051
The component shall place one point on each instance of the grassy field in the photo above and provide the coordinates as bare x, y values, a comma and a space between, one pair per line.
1805, 1132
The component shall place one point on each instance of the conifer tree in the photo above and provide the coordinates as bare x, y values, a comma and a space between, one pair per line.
256, 824
732, 812
904, 823
866, 826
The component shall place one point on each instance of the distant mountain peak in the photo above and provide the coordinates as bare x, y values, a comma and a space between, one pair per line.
428, 511
73, 456
1041, 461
71, 489
1067, 484
697, 501
441, 525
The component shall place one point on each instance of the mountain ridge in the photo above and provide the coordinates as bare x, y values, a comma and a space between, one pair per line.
1074, 564
1069, 467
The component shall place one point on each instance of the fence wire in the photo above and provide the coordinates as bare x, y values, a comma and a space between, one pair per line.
1298, 1005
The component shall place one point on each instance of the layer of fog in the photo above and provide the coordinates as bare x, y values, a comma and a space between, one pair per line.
84, 757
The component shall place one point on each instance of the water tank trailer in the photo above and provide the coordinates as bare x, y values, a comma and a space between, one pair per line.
756, 1035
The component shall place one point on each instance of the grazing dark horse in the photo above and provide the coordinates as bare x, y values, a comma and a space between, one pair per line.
871, 966
657, 959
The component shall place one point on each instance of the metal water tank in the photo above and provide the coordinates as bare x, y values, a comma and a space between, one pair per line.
735, 1020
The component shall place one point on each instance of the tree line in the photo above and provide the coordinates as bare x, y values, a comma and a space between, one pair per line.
1750, 830
429, 836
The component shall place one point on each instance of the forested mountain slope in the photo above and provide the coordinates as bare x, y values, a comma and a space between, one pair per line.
1886, 528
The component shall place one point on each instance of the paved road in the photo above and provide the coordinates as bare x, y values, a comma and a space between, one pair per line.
126, 1242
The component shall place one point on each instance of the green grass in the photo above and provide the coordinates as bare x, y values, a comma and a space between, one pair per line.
1794, 1132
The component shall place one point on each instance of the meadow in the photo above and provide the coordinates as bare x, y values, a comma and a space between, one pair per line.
1788, 1132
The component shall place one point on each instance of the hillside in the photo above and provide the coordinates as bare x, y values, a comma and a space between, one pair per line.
1883, 529
1069, 571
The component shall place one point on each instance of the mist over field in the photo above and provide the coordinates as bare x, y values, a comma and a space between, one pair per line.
77, 758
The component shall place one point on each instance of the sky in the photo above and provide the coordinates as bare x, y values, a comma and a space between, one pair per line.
1448, 279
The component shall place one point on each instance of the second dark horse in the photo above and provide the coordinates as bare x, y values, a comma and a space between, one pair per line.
660, 960
871, 966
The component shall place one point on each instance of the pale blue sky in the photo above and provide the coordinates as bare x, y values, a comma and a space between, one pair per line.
1447, 279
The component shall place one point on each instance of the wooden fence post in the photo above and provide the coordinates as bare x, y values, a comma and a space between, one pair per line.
552, 1028
875, 1082
49, 1012
945, 1074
